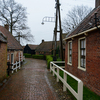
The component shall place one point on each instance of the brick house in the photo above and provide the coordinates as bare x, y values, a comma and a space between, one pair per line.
82, 54
30, 49
3, 57
14, 49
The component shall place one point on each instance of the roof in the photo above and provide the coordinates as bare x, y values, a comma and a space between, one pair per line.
87, 23
3, 38
46, 46
64, 35
12, 43
32, 47
23, 47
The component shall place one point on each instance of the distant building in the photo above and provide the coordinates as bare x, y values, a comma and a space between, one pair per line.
3, 57
45, 48
30, 49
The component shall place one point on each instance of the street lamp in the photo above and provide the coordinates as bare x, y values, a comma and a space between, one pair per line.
51, 19
57, 19
48, 19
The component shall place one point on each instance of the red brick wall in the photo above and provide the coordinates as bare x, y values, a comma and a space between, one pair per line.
16, 55
3, 61
90, 77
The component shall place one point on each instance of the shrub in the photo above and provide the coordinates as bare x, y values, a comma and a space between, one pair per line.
38, 56
27, 55
60, 64
48, 59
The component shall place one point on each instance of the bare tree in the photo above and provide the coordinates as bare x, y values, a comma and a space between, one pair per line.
74, 17
15, 15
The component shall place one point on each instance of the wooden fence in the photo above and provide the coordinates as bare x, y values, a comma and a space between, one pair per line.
17, 64
55, 69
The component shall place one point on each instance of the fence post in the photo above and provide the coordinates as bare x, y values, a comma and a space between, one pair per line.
21, 57
50, 66
80, 90
65, 79
53, 69
19, 60
58, 74
12, 68
16, 66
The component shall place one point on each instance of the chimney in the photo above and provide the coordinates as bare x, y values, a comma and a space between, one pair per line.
42, 41
97, 3
7, 27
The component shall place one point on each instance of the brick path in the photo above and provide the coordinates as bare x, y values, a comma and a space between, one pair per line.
30, 83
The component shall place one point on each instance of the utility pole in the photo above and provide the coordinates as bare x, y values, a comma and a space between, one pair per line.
58, 19
19, 36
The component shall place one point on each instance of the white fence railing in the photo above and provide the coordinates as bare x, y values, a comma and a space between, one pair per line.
17, 64
55, 69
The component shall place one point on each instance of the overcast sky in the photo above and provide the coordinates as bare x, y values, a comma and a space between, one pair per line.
38, 9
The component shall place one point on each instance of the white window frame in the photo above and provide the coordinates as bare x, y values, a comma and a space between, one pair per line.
68, 54
79, 52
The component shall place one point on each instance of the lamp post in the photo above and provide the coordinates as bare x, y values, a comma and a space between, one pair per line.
52, 19
58, 19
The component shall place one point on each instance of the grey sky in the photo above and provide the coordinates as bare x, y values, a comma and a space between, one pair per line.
37, 9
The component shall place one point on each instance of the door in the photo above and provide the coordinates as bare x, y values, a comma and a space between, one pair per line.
12, 58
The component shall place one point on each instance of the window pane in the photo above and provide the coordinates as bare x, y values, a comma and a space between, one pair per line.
70, 52
81, 43
81, 62
84, 62
82, 52
70, 59
84, 44
70, 45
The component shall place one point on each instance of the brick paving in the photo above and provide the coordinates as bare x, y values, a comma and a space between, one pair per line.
33, 82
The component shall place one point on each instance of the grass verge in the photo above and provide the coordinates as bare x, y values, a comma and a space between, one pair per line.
87, 93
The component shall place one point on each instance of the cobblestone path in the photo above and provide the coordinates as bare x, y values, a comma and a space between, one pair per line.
32, 83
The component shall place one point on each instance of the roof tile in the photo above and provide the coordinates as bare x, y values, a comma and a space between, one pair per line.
12, 42
87, 23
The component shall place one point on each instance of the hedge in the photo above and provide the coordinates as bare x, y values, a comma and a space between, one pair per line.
38, 56
49, 58
27, 55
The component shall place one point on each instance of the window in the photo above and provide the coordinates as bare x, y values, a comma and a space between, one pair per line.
70, 52
8, 57
82, 53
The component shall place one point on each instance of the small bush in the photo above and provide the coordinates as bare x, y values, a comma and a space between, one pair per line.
27, 55
38, 56
48, 59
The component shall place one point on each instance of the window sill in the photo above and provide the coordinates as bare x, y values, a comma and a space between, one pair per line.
83, 69
69, 64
